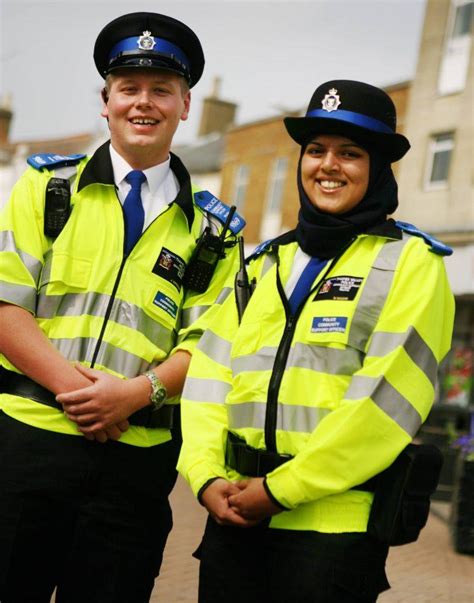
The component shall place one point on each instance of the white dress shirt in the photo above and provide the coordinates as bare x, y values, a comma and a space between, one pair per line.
158, 191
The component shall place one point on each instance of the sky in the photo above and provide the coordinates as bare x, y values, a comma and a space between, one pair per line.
269, 55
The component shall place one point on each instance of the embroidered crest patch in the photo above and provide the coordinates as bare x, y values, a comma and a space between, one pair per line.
171, 267
340, 288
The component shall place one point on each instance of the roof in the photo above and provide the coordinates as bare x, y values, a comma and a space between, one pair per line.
204, 155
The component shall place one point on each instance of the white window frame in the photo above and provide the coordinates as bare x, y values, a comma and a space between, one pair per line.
271, 219
456, 54
241, 180
438, 145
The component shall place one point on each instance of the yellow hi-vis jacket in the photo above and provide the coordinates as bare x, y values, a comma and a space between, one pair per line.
123, 314
343, 390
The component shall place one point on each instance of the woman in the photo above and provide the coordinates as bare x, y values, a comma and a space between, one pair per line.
326, 379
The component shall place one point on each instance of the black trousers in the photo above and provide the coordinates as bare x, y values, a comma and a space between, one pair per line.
263, 565
90, 519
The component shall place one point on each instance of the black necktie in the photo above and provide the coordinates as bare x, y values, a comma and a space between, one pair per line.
133, 209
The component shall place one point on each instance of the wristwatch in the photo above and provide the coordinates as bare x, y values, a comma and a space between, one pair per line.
158, 390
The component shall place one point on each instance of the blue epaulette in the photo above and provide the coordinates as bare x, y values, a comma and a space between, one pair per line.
259, 250
52, 162
436, 246
207, 202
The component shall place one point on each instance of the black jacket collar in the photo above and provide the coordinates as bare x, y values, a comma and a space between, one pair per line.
98, 170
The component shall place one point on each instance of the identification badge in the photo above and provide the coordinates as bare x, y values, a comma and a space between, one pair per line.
340, 288
166, 303
329, 324
171, 267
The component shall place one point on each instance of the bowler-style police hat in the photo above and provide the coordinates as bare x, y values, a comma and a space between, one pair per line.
355, 110
149, 40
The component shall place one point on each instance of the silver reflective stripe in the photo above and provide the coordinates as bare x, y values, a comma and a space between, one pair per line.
72, 304
46, 275
269, 262
374, 293
95, 304
7, 243
122, 362
315, 358
388, 399
136, 318
383, 343
206, 390
323, 359
190, 315
81, 349
223, 295
19, 295
216, 348
298, 418
262, 361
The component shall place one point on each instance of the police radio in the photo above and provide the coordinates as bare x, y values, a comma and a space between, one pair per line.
242, 286
208, 251
57, 206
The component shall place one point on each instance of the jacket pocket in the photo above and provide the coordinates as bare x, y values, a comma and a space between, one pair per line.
65, 269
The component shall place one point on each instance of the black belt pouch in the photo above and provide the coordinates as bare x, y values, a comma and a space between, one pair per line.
402, 496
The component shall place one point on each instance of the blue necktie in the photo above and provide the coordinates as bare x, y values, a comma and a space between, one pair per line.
133, 209
305, 282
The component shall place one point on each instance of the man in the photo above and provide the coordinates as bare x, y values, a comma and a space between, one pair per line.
99, 313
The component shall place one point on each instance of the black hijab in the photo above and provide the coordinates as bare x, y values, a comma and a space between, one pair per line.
324, 235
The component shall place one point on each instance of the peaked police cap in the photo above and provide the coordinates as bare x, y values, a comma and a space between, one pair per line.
149, 40
354, 110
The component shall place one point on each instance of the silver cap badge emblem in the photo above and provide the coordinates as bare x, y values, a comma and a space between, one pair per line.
146, 41
331, 101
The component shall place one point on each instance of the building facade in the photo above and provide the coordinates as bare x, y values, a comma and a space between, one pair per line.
436, 181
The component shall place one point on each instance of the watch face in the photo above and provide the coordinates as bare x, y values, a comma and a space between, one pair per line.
158, 396
158, 391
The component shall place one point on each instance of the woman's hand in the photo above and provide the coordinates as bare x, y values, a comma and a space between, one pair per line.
216, 500
251, 501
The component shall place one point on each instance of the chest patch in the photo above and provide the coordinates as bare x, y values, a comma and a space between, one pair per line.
329, 324
341, 288
171, 267
166, 303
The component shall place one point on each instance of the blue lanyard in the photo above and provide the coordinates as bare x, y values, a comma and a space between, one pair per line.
305, 282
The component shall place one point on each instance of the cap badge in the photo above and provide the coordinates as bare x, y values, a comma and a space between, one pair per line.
146, 41
331, 101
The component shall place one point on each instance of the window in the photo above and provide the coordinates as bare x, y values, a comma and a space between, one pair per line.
240, 185
271, 222
455, 62
275, 191
439, 157
463, 19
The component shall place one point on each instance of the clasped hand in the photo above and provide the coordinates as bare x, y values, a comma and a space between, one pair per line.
101, 409
242, 504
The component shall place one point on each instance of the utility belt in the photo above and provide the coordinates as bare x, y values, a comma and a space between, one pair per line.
254, 462
21, 385
402, 492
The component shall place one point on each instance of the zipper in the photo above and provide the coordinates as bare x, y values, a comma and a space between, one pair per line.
281, 357
117, 282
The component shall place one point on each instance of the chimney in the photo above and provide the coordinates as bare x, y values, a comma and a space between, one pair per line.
217, 115
6, 115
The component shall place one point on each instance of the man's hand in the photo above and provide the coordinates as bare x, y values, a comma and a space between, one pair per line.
252, 502
216, 500
105, 405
